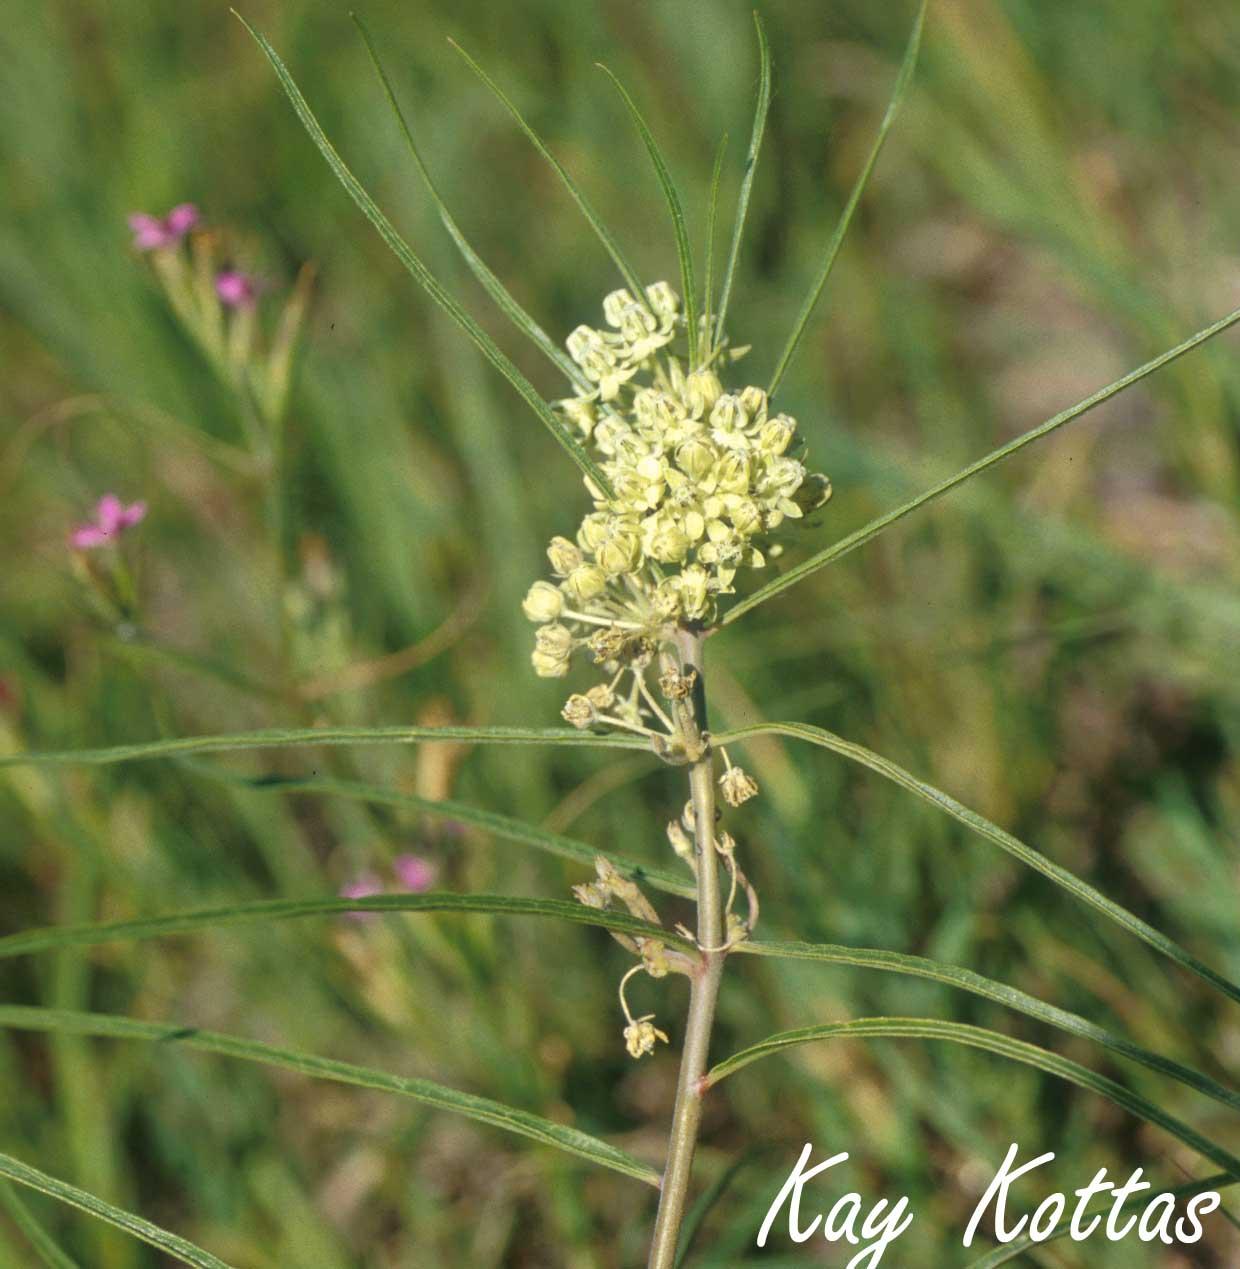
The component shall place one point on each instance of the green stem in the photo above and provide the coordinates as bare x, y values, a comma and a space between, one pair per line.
704, 989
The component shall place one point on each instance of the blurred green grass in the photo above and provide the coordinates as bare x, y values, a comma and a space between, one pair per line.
1056, 646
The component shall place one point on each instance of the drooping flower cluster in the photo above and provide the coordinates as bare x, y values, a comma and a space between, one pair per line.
700, 479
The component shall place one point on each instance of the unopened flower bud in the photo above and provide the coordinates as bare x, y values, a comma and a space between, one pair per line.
776, 434
664, 301
614, 306
620, 553
755, 402
702, 389
547, 665
543, 602
696, 458
585, 582
564, 556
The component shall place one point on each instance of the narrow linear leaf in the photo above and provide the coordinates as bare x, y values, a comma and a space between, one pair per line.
89, 935
174, 1245
751, 164
1001, 993
992, 1042
25, 1220
279, 738
674, 207
903, 79
601, 231
875, 527
708, 268
1010, 1251
482, 1109
508, 305
992, 832
705, 1203
504, 826
405, 254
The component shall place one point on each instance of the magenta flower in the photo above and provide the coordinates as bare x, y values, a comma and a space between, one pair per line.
236, 289
153, 232
112, 517
414, 873
363, 886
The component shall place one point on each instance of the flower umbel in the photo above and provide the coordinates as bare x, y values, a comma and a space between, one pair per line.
702, 478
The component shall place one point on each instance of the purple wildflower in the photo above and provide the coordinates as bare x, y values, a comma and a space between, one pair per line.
153, 232
415, 873
236, 289
363, 886
112, 517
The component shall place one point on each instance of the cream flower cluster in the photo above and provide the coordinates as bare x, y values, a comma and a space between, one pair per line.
700, 479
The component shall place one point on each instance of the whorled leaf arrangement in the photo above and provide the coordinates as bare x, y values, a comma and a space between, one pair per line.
690, 481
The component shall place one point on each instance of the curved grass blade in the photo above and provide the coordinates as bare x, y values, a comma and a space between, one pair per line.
404, 253
25, 1220
903, 79
482, 1109
1010, 1251
875, 527
1000, 993
174, 1245
991, 1042
751, 164
493, 286
603, 234
706, 1202
992, 832
277, 738
675, 208
55, 937
503, 826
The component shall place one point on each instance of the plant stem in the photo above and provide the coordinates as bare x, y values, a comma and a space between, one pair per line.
704, 988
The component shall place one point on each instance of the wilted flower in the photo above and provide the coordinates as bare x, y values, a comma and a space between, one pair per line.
640, 1036
112, 517
737, 786
579, 710
153, 232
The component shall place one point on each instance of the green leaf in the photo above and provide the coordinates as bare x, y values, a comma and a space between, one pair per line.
903, 79
36, 1235
1009, 1251
175, 1246
751, 164
493, 286
1001, 993
992, 832
683, 250
404, 253
992, 1042
54, 937
482, 1109
278, 738
604, 235
708, 285
875, 527
512, 830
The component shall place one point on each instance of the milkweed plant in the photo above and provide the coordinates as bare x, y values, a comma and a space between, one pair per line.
698, 502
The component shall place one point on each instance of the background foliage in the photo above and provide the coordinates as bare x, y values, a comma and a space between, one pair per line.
1055, 645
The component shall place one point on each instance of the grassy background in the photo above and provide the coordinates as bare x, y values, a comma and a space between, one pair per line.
1056, 645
